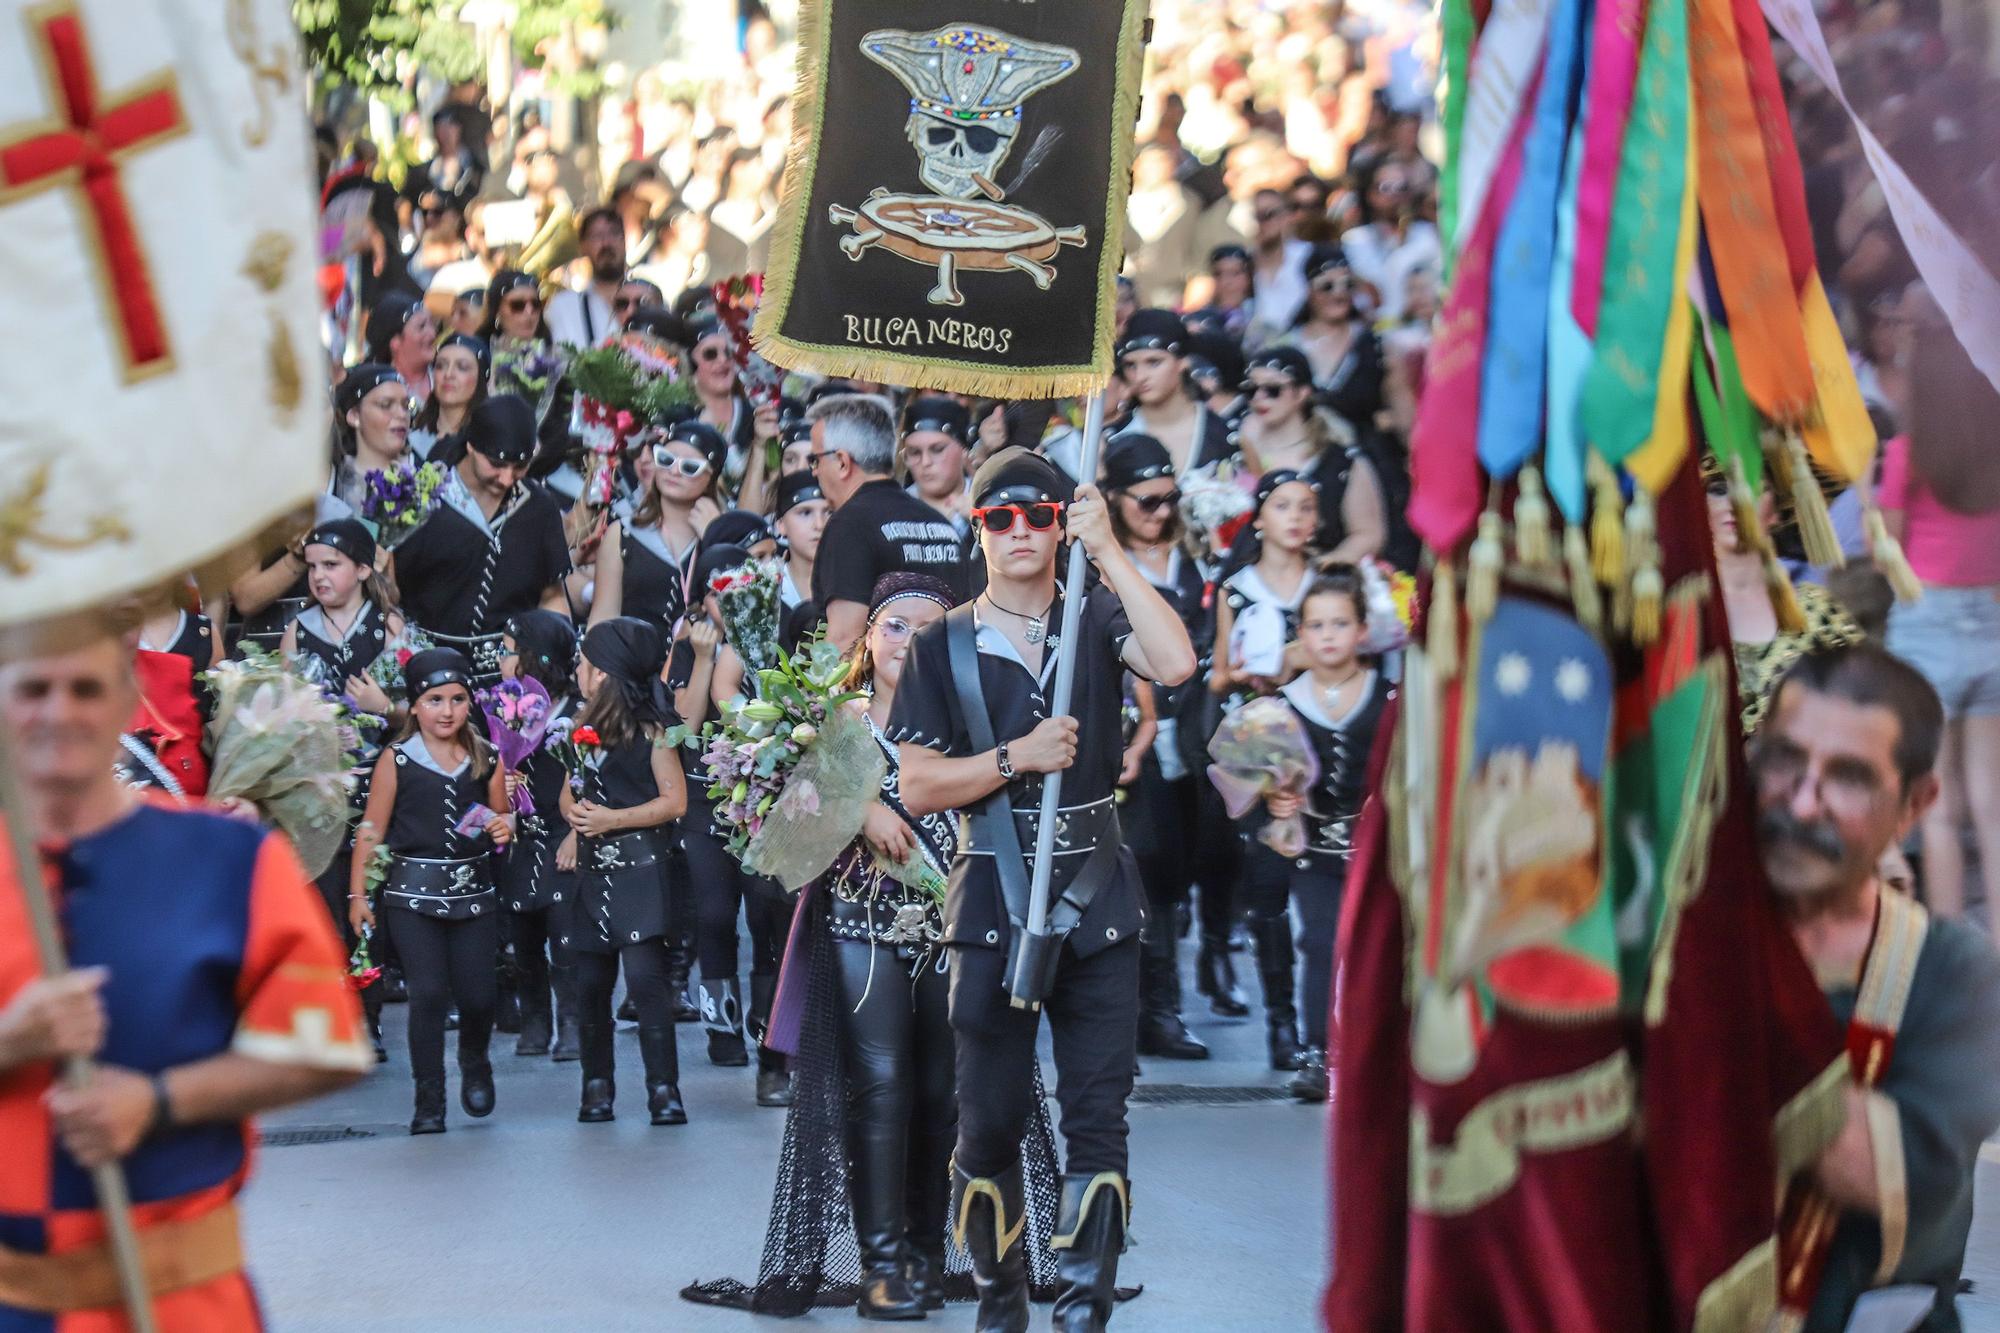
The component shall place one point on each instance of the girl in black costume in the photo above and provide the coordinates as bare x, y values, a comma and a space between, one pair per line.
618, 801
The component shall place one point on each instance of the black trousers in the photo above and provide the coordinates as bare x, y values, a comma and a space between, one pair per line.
1317, 894
1093, 1011
535, 947
1267, 881
722, 890
902, 1102
645, 966
446, 962
1215, 852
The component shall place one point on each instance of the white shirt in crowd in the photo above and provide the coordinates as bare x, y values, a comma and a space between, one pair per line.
580, 318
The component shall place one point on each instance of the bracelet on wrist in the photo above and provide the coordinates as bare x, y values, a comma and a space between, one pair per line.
162, 1118
1000, 758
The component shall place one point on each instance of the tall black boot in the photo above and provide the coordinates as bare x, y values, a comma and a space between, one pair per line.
1161, 1030
875, 1189
1089, 1237
1215, 977
599, 1073
722, 1014
774, 1081
991, 1222
1272, 936
562, 979
537, 1023
663, 1075
428, 1115
926, 1209
680, 966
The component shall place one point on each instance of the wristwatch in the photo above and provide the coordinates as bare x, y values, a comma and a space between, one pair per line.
1006, 769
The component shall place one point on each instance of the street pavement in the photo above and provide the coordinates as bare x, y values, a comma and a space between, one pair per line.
529, 1222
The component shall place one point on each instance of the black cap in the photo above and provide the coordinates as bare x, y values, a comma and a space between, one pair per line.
795, 489
946, 416
360, 381
1325, 259
1287, 361
434, 668
1132, 459
1019, 476
703, 437
502, 429
1153, 330
349, 536
479, 348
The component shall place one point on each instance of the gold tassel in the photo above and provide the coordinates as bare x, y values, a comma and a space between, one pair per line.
1607, 523
1888, 555
1583, 593
1533, 540
1649, 595
1822, 543
1483, 567
1784, 598
1642, 575
1441, 621
1750, 534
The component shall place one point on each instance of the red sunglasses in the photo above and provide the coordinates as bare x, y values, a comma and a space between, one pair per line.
1039, 517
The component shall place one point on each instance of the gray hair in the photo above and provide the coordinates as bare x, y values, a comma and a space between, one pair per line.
862, 426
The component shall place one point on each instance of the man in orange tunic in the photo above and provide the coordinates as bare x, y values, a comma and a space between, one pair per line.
208, 987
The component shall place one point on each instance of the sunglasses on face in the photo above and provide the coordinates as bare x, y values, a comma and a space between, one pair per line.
1039, 517
515, 305
1333, 287
710, 354
666, 459
1278, 390
1153, 504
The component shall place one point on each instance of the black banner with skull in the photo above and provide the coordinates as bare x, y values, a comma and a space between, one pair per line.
954, 203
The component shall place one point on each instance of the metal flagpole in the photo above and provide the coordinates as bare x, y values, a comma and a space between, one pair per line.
1025, 986
113, 1199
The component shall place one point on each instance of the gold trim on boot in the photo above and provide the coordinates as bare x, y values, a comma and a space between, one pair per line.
976, 1187
1063, 1240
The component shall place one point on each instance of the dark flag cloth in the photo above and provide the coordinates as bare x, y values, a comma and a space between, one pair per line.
1578, 1050
954, 210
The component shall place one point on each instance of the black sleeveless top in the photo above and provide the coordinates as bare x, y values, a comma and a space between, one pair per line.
1342, 747
652, 588
623, 777
337, 660
429, 805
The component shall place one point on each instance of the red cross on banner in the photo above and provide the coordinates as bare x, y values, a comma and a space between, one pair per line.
82, 147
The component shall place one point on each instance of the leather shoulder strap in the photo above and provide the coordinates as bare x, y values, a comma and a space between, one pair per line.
995, 815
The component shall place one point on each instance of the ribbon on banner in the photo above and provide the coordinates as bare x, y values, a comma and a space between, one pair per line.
1512, 378
1614, 71
1454, 69
1563, 465
1967, 293
1619, 390
1503, 78
1654, 463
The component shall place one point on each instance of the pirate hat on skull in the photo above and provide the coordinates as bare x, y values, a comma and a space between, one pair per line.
966, 86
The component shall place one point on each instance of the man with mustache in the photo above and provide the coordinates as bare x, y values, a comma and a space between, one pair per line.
1842, 771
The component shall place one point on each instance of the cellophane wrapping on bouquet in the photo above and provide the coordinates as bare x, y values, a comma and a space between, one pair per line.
750, 597
282, 744
822, 805
1261, 749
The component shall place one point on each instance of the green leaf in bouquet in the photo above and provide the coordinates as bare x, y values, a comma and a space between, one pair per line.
677, 735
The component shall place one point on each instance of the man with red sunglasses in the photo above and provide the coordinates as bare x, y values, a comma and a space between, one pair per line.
973, 721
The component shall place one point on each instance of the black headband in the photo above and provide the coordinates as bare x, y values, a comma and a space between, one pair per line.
347, 536
360, 381
435, 668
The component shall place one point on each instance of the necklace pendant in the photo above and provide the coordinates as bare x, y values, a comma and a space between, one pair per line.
1034, 630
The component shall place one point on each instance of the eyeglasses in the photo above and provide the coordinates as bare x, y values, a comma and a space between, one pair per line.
1273, 390
1333, 287
815, 459
1846, 787
663, 457
1392, 187
515, 305
1040, 516
1153, 504
895, 629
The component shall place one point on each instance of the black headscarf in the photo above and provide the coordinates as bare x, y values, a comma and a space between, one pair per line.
481, 351
502, 429
795, 489
347, 536
631, 652
947, 416
546, 642
1133, 459
736, 527
434, 668
703, 437
360, 381
1153, 330
1020, 476
387, 320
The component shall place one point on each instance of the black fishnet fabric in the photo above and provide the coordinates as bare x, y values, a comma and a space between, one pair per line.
810, 1256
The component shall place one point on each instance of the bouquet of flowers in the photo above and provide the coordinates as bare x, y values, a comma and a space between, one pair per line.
280, 743
1392, 606
630, 381
1216, 501
794, 772
517, 718
574, 748
1261, 749
525, 367
736, 306
749, 596
387, 668
396, 503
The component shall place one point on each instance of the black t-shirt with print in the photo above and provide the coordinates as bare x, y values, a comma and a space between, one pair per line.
883, 529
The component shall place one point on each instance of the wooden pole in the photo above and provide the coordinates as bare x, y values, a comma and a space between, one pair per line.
113, 1200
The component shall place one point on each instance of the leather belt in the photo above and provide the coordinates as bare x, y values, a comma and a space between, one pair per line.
620, 851
176, 1255
452, 889
1079, 828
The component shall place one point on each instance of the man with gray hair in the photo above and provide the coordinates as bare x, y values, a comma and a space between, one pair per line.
877, 527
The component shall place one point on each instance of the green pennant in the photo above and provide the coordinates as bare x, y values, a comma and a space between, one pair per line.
1740, 421
1623, 383
1454, 77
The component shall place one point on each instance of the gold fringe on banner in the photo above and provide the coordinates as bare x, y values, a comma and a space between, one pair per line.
1607, 522
1889, 558
1784, 597
1483, 568
1642, 555
1809, 504
1441, 621
1534, 541
1583, 593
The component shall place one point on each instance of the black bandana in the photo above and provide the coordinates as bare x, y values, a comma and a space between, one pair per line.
1021, 476
360, 381
631, 652
435, 668
795, 489
502, 429
1136, 458
479, 349
1153, 331
546, 641
943, 415
894, 587
347, 536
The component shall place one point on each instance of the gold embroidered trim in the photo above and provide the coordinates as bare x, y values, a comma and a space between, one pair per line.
1892, 1185
22, 518
1809, 1122
1549, 1115
1900, 926
1742, 1298
978, 1187
1705, 792
1103, 1180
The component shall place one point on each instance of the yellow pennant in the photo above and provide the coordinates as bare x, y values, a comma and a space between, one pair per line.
1656, 461
1840, 437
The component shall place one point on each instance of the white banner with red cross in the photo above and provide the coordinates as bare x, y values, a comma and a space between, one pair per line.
162, 392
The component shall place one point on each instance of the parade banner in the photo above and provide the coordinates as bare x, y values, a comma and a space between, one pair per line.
954, 206
162, 400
